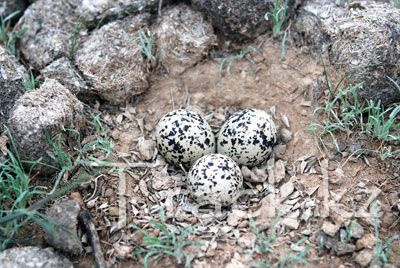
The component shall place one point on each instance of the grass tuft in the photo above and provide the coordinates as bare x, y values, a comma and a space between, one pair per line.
279, 18
344, 112
228, 61
74, 39
17, 193
146, 44
32, 82
167, 243
8, 36
382, 248
265, 246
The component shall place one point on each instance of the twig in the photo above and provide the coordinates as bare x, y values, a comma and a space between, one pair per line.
122, 200
160, 3
325, 188
90, 229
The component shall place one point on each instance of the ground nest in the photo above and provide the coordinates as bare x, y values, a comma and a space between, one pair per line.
317, 201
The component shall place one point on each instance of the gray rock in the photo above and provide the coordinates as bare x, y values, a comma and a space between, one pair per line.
65, 72
330, 228
362, 41
279, 151
284, 135
9, 6
56, 28
52, 109
102, 11
112, 62
64, 215
356, 230
183, 38
32, 257
50, 31
364, 257
240, 18
12, 77
343, 248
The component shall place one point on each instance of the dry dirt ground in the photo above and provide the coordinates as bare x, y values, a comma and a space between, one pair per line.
133, 191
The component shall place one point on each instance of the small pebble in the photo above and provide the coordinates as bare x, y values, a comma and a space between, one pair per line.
285, 135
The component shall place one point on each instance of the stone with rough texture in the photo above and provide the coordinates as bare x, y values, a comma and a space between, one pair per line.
32, 257
12, 77
356, 230
112, 62
364, 257
343, 248
367, 241
64, 215
50, 30
183, 38
65, 72
240, 18
101, 11
50, 109
394, 254
363, 41
247, 240
330, 228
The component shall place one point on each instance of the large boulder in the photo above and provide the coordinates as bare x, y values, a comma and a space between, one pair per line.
112, 61
12, 77
183, 38
43, 114
32, 257
241, 18
361, 39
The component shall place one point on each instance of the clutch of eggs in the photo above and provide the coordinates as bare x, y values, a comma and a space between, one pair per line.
183, 136
248, 137
215, 179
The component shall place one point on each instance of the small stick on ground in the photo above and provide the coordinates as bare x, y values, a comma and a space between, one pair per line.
122, 200
325, 188
160, 2
90, 230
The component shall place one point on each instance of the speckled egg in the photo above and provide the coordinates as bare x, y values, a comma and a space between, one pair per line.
183, 137
247, 137
215, 179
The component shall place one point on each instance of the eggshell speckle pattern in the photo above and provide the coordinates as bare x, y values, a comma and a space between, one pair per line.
183, 137
247, 137
215, 179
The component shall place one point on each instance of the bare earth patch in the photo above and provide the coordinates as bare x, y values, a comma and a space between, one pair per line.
314, 193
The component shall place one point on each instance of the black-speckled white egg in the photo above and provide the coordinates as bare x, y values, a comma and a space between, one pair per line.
247, 137
215, 179
183, 137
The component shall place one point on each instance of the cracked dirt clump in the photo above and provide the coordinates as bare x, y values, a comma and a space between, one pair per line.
12, 77
362, 40
47, 111
33, 257
112, 62
185, 32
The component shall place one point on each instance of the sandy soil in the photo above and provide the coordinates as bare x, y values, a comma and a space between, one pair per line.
261, 81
